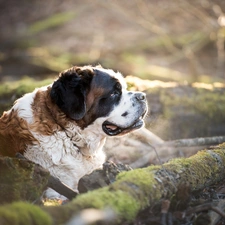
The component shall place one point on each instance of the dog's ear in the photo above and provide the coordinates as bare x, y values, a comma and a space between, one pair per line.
70, 90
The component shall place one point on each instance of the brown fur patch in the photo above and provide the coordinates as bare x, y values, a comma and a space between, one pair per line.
91, 102
48, 118
14, 134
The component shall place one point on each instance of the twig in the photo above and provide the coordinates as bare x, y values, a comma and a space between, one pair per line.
165, 153
215, 217
205, 207
61, 188
164, 212
170, 148
147, 136
196, 141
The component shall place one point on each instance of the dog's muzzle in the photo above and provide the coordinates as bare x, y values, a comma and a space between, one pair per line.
113, 129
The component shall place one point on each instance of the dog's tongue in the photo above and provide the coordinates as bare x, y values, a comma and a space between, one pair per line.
111, 127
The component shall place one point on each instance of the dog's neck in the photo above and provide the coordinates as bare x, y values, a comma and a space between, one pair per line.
87, 140
89, 143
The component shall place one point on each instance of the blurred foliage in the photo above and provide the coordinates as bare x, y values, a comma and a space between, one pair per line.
165, 40
50, 59
55, 20
10, 91
21, 87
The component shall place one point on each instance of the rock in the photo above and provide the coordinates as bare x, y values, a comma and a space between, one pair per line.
101, 177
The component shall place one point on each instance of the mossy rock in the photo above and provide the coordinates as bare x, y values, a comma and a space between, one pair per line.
185, 111
21, 180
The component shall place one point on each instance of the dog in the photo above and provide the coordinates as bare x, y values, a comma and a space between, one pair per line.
63, 126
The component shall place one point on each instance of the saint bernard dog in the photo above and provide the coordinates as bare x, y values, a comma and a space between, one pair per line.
63, 126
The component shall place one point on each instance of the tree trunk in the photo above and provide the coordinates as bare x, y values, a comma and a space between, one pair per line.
132, 192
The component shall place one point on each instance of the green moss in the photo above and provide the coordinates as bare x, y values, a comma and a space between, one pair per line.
135, 190
21, 213
201, 167
130, 193
171, 98
140, 183
127, 196
210, 103
142, 178
187, 111
221, 153
21, 180
120, 201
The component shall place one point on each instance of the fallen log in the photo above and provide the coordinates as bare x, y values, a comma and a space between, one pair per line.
132, 192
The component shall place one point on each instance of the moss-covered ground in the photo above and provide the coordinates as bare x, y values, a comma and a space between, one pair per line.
131, 193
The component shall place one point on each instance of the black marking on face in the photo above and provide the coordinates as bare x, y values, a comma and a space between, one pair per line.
111, 95
70, 90
124, 114
106, 91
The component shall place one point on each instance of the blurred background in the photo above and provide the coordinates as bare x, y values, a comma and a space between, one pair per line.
165, 40
179, 43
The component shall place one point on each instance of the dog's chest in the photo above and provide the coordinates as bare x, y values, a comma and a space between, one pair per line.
69, 157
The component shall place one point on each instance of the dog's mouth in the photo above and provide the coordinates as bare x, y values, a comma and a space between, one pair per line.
112, 129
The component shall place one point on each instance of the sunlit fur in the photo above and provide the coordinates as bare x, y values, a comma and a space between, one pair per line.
69, 149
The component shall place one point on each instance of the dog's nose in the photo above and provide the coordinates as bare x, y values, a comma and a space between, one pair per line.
140, 96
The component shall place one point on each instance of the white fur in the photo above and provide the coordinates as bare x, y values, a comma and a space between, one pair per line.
117, 75
68, 155
127, 104
66, 161
23, 105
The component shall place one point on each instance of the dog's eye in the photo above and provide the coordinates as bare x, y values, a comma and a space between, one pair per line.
115, 93
118, 86
117, 90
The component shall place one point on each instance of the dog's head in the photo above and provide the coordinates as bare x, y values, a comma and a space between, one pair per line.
87, 94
